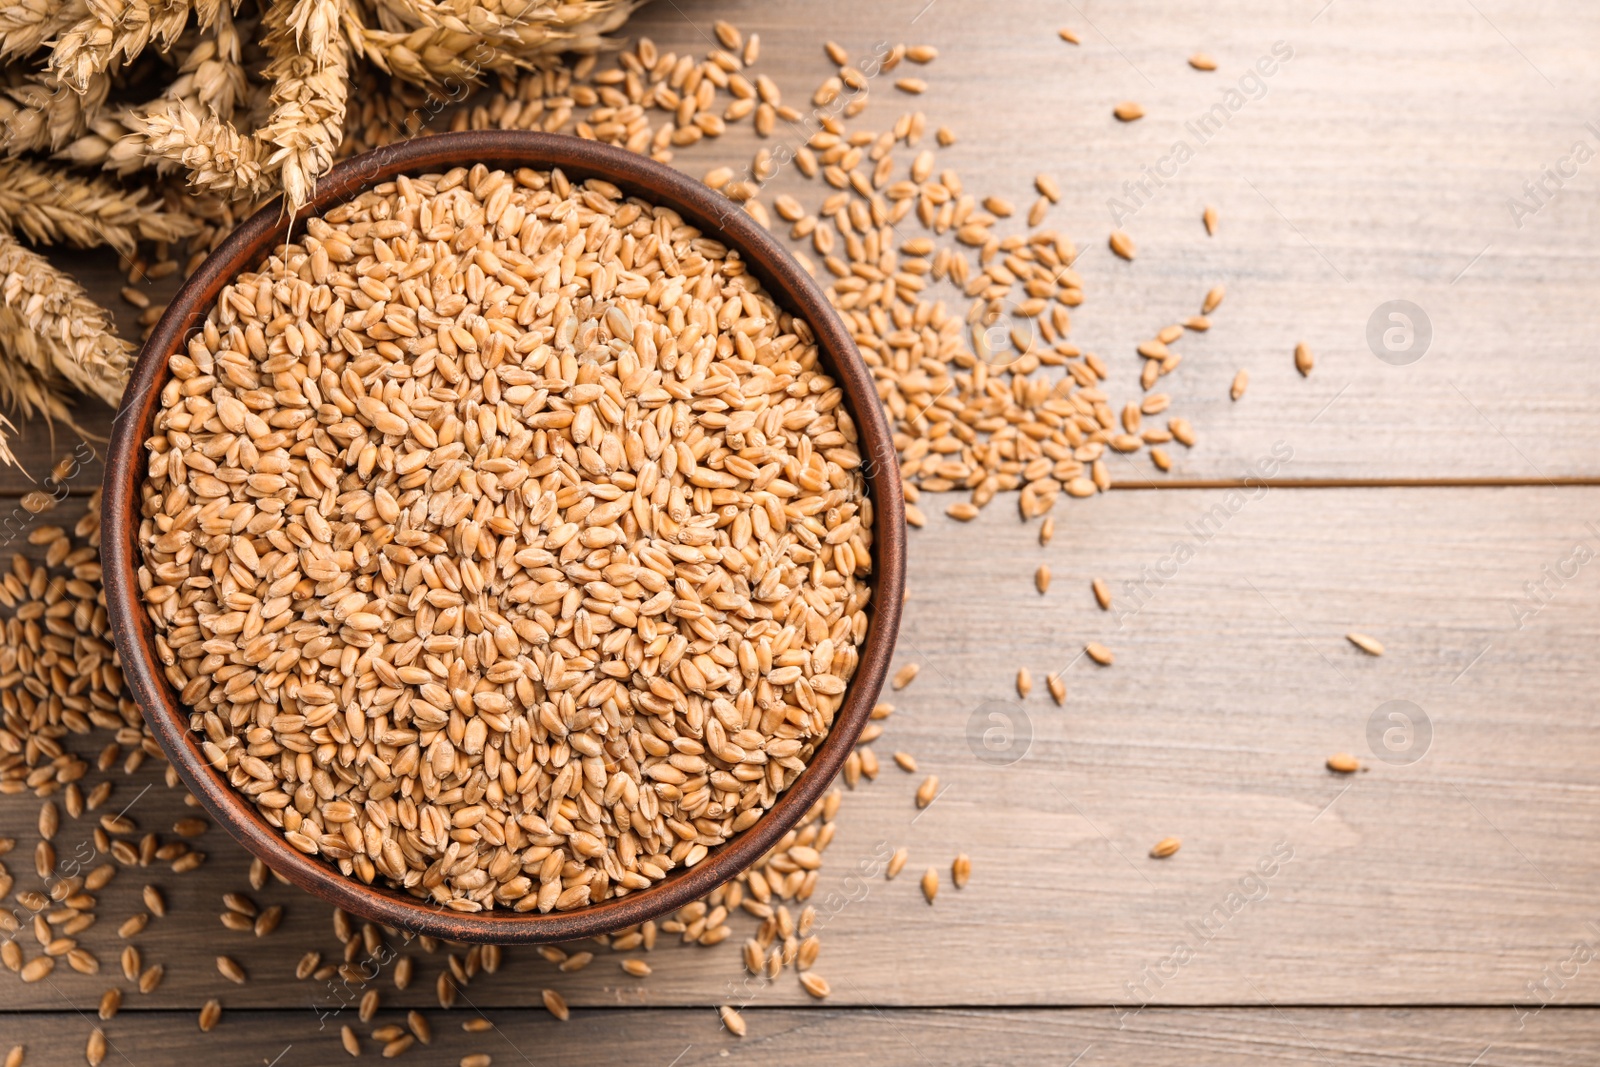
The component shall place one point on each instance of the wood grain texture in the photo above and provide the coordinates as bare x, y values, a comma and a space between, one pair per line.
1458, 878
954, 1037
1377, 164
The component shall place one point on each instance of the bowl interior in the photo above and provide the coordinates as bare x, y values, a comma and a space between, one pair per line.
126, 469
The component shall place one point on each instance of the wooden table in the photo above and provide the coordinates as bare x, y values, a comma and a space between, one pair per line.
1440, 906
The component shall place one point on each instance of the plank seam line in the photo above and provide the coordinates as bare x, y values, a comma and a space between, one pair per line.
1085, 1009
84, 492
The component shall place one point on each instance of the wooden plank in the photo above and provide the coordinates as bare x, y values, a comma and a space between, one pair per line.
1459, 878
863, 1038
1361, 175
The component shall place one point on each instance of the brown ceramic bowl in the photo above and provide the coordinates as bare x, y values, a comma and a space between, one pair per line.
125, 471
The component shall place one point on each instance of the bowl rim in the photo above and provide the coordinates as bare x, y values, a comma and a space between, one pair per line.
125, 470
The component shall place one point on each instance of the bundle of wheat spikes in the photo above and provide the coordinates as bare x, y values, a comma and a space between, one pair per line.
253, 105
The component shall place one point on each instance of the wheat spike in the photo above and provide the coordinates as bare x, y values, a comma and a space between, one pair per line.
218, 158
54, 207
110, 30
25, 390
25, 25
41, 113
210, 85
56, 329
544, 29
310, 76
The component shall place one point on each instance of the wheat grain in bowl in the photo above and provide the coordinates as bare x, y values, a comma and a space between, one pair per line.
505, 541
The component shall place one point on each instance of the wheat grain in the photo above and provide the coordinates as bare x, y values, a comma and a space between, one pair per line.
267, 921
397, 1046
49, 819
732, 1020
1303, 360
1165, 847
1057, 686
1370, 645
575, 962
815, 984
1343, 763
897, 862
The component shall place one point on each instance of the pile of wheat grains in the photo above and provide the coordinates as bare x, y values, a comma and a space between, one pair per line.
969, 411
991, 399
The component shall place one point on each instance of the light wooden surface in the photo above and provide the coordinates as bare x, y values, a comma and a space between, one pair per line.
946, 1037
1414, 908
